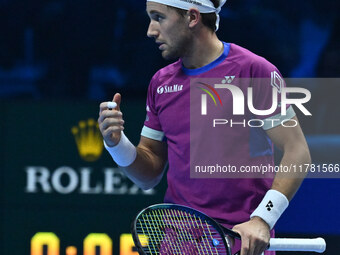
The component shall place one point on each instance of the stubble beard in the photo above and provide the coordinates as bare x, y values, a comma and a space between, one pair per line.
172, 53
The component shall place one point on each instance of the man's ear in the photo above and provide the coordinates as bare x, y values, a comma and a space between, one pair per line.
194, 17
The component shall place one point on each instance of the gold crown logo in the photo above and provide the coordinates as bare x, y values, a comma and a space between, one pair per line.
88, 139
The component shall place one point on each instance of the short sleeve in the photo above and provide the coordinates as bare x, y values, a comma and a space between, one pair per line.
152, 127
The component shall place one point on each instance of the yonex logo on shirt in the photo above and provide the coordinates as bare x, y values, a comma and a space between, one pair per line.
169, 89
228, 79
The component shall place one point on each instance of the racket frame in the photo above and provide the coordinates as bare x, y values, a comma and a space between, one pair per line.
279, 244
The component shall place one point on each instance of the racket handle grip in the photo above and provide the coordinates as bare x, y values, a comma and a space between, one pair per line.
297, 244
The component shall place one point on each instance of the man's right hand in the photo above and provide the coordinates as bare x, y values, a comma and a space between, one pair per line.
111, 122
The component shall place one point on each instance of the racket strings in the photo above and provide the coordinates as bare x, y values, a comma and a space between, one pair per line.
172, 232
181, 239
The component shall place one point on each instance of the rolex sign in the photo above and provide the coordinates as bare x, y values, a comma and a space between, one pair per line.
62, 194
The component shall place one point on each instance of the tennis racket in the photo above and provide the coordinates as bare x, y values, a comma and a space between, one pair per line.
170, 229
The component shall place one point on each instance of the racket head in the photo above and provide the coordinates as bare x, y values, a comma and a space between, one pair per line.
169, 229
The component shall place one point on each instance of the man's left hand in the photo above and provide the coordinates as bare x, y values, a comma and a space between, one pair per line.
255, 235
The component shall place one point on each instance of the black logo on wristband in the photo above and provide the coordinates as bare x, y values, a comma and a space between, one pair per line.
269, 206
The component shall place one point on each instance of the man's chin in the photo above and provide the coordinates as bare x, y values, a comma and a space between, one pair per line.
169, 56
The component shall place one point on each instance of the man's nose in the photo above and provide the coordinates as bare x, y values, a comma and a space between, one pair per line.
152, 31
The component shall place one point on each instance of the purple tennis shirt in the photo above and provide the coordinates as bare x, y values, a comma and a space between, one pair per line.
228, 200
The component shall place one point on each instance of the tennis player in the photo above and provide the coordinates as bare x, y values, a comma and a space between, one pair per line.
184, 30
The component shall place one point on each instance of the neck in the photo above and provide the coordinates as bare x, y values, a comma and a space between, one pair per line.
204, 50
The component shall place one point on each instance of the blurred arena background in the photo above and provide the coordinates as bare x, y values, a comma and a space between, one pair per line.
60, 193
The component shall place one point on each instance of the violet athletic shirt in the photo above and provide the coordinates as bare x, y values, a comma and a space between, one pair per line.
229, 201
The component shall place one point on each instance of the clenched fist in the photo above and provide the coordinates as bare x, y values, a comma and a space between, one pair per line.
110, 121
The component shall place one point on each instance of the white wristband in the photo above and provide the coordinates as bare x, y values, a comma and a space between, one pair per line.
272, 206
124, 153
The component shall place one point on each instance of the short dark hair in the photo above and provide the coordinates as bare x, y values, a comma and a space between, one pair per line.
208, 19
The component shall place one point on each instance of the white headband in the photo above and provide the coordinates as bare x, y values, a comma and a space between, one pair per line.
204, 6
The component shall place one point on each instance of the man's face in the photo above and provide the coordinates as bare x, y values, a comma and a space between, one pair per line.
169, 29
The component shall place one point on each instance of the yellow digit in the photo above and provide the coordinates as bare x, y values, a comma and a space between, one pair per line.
126, 244
71, 250
101, 240
45, 238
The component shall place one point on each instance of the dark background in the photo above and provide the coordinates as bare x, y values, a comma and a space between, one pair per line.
59, 59
88, 49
